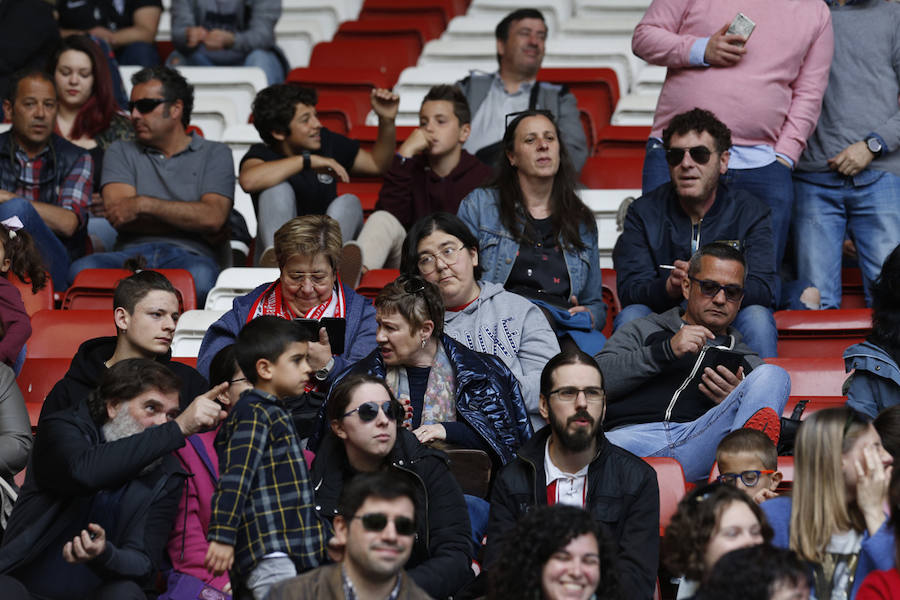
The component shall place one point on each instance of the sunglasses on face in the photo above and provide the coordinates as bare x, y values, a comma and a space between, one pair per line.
368, 411
699, 154
145, 105
710, 288
748, 478
378, 521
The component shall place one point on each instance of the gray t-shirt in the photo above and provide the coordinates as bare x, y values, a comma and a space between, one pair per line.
489, 122
204, 167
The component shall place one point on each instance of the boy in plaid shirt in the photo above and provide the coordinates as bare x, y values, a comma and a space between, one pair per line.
263, 520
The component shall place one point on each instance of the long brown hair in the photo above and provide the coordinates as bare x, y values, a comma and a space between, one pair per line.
24, 259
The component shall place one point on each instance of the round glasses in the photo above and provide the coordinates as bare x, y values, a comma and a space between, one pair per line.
369, 410
748, 478
428, 262
378, 521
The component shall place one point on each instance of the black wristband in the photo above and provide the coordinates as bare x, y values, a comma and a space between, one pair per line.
307, 161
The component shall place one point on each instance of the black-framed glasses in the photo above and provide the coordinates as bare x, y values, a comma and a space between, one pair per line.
378, 521
369, 410
570, 393
748, 478
146, 105
710, 288
428, 262
699, 154
237, 380
531, 112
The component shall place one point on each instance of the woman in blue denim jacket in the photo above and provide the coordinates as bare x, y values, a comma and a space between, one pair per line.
532, 217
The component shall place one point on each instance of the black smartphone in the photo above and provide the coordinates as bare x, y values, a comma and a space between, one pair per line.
334, 326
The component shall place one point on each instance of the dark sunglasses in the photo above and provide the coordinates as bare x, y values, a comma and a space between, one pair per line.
708, 287
700, 155
369, 410
378, 521
145, 105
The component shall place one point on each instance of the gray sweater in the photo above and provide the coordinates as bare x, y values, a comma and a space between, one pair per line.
512, 329
863, 85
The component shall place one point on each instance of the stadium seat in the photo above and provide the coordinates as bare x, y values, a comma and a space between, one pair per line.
555, 11
367, 134
813, 404
213, 114
612, 24
296, 35
437, 9
820, 333
37, 378
93, 288
421, 30
237, 281
190, 361
813, 376
354, 84
471, 469
191, 328
387, 56
34, 301
596, 89
352, 109
588, 8
672, 487
852, 292
366, 191
612, 170
59, 333
635, 110
373, 281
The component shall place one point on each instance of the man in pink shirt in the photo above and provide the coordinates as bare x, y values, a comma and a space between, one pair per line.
767, 87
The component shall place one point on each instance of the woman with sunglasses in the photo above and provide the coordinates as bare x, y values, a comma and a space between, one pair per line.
480, 314
537, 238
458, 397
710, 522
88, 115
834, 518
365, 436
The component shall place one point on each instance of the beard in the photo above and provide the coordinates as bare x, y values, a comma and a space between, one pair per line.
123, 425
582, 437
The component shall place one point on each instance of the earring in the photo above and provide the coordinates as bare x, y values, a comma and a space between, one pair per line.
423, 342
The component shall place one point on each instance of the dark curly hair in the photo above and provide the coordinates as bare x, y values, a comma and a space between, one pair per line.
126, 380
695, 521
752, 573
439, 221
174, 85
538, 535
274, 108
567, 210
25, 260
699, 120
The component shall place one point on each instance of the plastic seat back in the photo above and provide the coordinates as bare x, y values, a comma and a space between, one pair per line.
672, 487
34, 301
59, 333
813, 376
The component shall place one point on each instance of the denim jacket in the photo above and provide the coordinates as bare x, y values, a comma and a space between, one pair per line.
875, 382
480, 210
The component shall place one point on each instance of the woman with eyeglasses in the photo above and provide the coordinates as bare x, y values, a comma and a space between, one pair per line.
458, 397
834, 518
308, 251
710, 521
481, 314
537, 238
365, 436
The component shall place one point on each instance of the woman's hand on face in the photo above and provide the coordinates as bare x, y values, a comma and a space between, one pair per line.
872, 482
577, 308
320, 352
430, 433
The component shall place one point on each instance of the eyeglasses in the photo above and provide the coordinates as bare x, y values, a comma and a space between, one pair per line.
238, 380
378, 521
428, 262
699, 154
317, 278
749, 478
145, 105
369, 410
569, 394
710, 288
529, 113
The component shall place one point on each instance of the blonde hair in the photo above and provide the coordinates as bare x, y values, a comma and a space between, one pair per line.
309, 235
820, 507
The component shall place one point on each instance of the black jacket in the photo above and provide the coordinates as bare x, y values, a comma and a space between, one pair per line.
442, 554
70, 464
622, 494
87, 368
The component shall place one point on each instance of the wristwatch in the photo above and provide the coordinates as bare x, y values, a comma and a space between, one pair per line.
322, 374
307, 161
874, 146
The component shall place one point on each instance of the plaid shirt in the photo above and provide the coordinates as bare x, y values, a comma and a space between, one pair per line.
264, 500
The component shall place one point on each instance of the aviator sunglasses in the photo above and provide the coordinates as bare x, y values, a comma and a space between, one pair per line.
699, 154
369, 410
378, 521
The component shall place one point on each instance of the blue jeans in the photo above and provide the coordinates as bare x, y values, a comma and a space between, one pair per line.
159, 255
694, 443
479, 510
142, 54
755, 322
53, 251
267, 60
771, 184
822, 216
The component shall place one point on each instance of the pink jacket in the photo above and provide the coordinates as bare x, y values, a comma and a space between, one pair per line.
772, 96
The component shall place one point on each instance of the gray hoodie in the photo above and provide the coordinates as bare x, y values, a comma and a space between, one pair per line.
512, 329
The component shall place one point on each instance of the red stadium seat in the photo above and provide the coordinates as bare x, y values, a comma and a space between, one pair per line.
400, 27
610, 298
367, 134
366, 191
373, 281
618, 161
443, 9
341, 89
190, 361
59, 333
596, 90
386, 56
40, 300
820, 333
93, 288
852, 294
37, 378
813, 404
813, 376
672, 487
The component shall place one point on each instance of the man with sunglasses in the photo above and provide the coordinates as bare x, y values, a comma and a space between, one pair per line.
570, 461
660, 401
168, 193
376, 526
664, 227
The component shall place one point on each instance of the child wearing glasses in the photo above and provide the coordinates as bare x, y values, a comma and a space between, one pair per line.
365, 437
263, 525
748, 459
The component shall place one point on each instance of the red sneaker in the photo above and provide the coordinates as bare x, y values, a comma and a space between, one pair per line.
767, 421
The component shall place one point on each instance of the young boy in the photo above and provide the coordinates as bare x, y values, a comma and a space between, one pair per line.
263, 520
748, 459
430, 173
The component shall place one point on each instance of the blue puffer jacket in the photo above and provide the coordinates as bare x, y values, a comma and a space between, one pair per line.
359, 338
875, 383
480, 210
487, 397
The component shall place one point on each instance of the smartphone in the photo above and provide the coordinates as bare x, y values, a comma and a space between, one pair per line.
742, 25
334, 326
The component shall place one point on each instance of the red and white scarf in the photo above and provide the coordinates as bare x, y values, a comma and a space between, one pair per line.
271, 302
